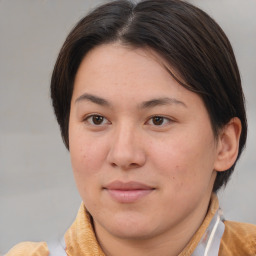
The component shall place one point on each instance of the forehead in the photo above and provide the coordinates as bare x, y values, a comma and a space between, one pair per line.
127, 73
125, 59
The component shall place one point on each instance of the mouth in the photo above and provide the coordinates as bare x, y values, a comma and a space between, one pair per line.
128, 192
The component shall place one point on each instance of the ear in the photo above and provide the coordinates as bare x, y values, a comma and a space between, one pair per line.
228, 145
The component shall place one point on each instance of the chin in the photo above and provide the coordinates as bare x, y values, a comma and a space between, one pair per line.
129, 226
131, 232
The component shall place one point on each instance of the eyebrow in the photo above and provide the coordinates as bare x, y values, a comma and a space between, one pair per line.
93, 98
160, 102
146, 104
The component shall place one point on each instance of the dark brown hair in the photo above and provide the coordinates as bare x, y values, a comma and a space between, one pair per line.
186, 37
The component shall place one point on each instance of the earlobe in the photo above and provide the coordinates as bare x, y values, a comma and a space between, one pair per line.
228, 145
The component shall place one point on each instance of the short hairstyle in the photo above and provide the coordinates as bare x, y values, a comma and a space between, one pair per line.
190, 41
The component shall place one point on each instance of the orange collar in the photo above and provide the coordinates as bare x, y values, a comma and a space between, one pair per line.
80, 238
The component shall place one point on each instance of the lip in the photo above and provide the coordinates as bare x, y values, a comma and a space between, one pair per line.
128, 192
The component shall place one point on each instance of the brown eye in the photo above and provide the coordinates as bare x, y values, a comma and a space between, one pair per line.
157, 120
96, 120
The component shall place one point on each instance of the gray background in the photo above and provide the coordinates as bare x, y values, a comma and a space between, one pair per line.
38, 198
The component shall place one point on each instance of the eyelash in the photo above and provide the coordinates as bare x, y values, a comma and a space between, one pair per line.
89, 119
163, 120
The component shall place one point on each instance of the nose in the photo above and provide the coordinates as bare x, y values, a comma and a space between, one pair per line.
126, 149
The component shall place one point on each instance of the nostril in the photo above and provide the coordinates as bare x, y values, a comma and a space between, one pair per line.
125, 156
113, 164
128, 166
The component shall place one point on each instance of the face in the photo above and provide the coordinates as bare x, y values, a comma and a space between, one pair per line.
142, 147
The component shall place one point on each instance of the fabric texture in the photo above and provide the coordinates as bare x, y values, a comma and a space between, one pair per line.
239, 239
29, 249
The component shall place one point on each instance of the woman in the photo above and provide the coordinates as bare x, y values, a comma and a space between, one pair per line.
150, 105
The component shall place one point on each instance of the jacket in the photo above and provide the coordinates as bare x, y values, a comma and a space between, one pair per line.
238, 239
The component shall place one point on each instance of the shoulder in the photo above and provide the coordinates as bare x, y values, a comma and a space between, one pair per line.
29, 249
238, 239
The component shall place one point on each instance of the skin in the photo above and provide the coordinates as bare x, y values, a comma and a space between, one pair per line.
123, 128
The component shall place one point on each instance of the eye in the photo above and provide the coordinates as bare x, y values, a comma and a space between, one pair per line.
96, 120
159, 120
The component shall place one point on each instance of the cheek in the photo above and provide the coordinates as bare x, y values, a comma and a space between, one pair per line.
184, 160
86, 158
87, 155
